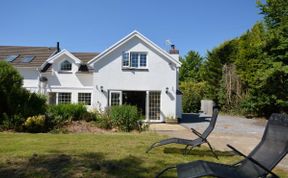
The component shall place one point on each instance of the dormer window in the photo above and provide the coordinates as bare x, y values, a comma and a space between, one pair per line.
66, 66
134, 60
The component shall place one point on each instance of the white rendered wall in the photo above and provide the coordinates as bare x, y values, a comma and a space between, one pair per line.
30, 78
160, 75
71, 82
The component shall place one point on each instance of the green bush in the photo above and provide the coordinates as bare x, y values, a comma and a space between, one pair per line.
124, 117
33, 104
103, 120
16, 103
13, 122
193, 93
35, 124
62, 113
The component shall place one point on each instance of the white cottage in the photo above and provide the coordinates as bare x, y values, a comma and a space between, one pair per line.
132, 71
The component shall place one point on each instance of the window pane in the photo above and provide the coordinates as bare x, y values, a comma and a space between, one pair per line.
134, 59
115, 99
66, 65
11, 58
84, 98
154, 105
27, 59
52, 98
143, 60
125, 59
64, 98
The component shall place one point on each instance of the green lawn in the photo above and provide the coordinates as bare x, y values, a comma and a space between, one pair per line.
93, 155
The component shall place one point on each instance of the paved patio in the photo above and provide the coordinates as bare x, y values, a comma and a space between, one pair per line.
244, 134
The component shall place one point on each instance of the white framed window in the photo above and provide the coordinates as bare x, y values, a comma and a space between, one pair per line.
115, 98
84, 98
64, 98
143, 60
134, 60
66, 66
125, 59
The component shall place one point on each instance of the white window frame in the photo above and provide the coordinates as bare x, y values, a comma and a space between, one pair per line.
129, 66
63, 93
110, 97
62, 63
85, 102
123, 54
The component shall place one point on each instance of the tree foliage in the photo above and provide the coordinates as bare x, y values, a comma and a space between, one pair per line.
249, 74
17, 103
193, 93
190, 69
10, 86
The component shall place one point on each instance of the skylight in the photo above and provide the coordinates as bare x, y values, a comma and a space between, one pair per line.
27, 59
11, 58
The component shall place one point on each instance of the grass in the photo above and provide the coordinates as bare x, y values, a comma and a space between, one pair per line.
93, 155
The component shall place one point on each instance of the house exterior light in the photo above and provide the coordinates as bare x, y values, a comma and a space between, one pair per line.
167, 90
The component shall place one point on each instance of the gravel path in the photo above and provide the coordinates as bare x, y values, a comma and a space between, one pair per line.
244, 134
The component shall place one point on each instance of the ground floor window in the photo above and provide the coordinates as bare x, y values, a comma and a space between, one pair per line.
154, 105
64, 98
149, 107
84, 98
52, 98
115, 98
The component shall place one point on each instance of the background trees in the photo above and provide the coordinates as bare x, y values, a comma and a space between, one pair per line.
248, 74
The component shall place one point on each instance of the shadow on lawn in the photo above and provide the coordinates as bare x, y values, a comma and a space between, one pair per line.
198, 152
62, 165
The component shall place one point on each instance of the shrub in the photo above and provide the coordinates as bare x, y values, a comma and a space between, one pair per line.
193, 93
12, 122
32, 104
62, 113
124, 117
16, 103
10, 84
103, 120
35, 124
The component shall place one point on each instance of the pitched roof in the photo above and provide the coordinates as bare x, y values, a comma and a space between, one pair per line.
41, 55
79, 57
126, 39
84, 56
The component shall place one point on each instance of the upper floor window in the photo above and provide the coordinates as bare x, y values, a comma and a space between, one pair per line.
134, 60
66, 66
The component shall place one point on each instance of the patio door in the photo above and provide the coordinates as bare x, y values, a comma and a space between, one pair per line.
115, 98
154, 105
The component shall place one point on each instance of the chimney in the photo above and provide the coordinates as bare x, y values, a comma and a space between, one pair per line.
58, 47
174, 52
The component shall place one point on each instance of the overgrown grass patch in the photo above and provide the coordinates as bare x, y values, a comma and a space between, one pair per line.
93, 155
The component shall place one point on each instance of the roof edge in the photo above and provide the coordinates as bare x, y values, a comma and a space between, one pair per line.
128, 37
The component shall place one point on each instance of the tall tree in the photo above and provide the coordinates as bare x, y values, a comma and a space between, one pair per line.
190, 69
10, 86
213, 67
275, 78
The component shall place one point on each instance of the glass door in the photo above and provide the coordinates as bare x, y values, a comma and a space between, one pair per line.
115, 98
154, 105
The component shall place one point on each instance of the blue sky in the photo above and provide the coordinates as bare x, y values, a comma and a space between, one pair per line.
94, 25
